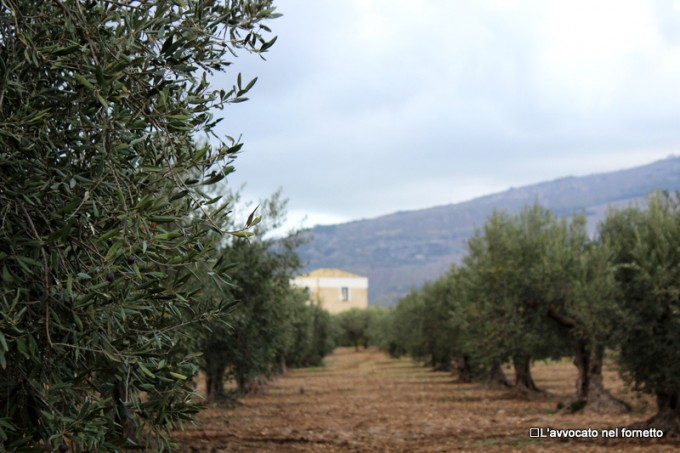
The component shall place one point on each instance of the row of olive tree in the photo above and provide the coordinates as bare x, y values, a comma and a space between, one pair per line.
105, 212
533, 286
271, 325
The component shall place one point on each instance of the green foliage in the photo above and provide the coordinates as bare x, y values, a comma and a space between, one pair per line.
431, 324
104, 211
403, 327
248, 345
582, 290
441, 317
358, 326
646, 244
310, 338
271, 324
508, 281
377, 316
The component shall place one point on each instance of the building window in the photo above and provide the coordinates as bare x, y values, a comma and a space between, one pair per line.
344, 294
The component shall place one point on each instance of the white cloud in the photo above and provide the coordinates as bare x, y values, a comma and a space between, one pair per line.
365, 108
590, 50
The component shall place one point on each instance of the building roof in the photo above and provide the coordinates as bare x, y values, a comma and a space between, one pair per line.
327, 272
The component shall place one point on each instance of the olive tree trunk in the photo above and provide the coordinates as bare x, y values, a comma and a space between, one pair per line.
590, 392
497, 377
667, 417
463, 369
524, 382
214, 383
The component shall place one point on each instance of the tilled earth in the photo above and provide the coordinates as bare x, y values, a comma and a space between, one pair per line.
367, 402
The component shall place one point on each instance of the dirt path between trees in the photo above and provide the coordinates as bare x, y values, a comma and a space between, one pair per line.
367, 402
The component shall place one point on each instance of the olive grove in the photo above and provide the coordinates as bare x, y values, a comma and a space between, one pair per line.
533, 286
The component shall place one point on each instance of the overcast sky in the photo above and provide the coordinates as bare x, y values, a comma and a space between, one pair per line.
367, 107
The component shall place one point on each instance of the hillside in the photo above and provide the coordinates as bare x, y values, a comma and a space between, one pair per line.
402, 250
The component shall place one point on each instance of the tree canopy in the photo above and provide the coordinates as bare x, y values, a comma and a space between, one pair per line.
105, 210
646, 244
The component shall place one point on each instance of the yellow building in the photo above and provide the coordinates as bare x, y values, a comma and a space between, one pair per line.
335, 290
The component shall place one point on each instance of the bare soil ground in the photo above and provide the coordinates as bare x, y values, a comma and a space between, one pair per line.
367, 402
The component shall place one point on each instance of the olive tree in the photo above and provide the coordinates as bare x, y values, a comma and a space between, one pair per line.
583, 296
403, 327
104, 210
646, 243
309, 337
506, 279
430, 330
271, 324
353, 327
252, 345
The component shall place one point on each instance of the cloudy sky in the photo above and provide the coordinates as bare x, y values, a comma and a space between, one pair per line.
367, 107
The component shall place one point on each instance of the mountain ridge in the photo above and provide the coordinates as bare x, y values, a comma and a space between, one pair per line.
402, 250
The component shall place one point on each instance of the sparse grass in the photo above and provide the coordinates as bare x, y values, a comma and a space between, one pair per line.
526, 442
489, 441
313, 369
